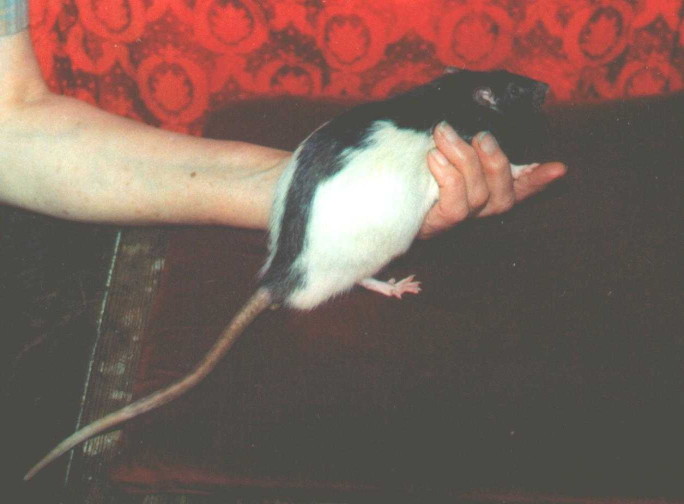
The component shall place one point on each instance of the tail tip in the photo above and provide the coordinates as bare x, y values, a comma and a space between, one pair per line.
30, 474
36, 468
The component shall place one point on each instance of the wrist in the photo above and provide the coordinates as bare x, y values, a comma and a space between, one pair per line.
236, 191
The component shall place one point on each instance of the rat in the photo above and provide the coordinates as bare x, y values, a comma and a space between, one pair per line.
354, 196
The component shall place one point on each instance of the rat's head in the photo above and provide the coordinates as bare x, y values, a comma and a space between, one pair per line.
504, 103
508, 92
500, 90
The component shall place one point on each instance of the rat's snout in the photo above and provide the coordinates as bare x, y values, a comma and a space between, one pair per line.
539, 95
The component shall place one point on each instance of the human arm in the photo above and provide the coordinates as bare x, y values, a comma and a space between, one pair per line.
65, 158
69, 159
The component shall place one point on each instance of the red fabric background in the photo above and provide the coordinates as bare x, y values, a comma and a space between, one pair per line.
169, 62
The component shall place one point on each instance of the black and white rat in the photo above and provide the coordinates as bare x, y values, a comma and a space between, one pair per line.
354, 196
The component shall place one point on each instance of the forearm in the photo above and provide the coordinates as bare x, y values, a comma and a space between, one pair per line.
69, 159
65, 158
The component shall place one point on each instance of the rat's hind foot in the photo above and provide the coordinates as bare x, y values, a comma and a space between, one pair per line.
392, 287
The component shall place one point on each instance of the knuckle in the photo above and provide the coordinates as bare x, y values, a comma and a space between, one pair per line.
470, 157
479, 197
453, 179
457, 214
497, 164
504, 205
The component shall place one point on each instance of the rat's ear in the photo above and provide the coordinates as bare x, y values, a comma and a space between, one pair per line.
451, 70
485, 96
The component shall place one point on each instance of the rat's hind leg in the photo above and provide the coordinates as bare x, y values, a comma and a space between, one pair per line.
392, 287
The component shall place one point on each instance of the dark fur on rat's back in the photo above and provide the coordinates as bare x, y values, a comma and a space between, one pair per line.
513, 119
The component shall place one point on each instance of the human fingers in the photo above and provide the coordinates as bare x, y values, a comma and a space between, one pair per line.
465, 159
538, 179
497, 173
452, 205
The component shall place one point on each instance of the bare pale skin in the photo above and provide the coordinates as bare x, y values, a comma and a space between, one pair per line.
63, 157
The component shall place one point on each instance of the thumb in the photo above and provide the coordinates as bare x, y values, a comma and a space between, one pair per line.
538, 179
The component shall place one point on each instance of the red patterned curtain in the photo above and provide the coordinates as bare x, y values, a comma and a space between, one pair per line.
169, 62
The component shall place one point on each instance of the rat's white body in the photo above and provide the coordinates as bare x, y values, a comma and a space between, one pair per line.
356, 229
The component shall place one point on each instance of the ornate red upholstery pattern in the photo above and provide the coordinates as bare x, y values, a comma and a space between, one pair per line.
169, 62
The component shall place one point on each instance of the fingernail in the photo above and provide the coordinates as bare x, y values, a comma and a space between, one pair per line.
439, 157
487, 142
448, 132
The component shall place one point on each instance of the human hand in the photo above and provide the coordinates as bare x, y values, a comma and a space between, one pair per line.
476, 181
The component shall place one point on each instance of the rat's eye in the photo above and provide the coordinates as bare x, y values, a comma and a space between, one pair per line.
515, 91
